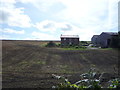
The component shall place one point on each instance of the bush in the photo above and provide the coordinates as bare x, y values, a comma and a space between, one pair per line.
51, 44
59, 45
76, 46
84, 42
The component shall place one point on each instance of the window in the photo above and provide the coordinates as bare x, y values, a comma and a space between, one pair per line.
64, 38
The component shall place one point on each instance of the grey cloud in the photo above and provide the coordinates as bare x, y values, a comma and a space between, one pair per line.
67, 28
49, 25
4, 16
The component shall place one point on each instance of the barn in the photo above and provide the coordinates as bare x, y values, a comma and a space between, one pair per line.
69, 40
104, 39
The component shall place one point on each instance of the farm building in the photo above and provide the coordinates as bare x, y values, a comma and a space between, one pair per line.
67, 40
104, 39
95, 39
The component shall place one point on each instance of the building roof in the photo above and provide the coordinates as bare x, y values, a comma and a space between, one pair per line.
111, 33
95, 36
69, 36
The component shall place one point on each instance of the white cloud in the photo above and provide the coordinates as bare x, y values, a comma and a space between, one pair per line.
52, 26
46, 26
113, 14
42, 36
8, 30
26, 1
12, 15
66, 29
82, 17
85, 13
4, 37
91, 13
42, 5
84, 33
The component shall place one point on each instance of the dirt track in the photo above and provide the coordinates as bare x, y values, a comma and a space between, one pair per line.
28, 65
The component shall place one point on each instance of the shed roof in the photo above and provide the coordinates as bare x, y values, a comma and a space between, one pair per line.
95, 36
111, 33
69, 36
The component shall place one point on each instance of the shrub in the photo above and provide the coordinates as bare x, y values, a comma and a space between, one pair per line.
51, 44
59, 45
84, 42
76, 46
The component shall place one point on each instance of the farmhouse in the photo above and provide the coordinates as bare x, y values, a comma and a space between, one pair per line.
104, 39
67, 40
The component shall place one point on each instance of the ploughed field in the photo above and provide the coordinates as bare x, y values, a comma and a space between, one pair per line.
27, 64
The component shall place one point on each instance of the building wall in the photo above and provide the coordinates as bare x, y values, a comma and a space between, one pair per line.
69, 41
95, 40
104, 40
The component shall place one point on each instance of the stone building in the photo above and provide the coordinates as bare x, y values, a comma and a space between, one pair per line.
67, 40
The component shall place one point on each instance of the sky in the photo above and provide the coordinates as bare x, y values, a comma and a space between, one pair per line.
48, 19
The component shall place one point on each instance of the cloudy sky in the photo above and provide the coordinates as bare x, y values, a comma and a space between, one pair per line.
48, 19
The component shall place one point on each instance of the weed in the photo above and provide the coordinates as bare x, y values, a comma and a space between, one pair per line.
115, 83
88, 81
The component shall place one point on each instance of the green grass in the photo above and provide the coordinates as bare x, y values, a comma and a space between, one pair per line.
73, 48
107, 48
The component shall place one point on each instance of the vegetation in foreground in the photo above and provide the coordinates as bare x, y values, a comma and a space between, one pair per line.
88, 80
75, 48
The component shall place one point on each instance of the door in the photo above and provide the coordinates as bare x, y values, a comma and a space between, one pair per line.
108, 42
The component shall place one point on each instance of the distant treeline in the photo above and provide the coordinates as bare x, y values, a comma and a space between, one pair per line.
32, 40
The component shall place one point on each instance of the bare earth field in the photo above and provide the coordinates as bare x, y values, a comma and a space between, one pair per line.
27, 64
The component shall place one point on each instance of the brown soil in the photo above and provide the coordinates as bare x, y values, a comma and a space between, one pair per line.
26, 64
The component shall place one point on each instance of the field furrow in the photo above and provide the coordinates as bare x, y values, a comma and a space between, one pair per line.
28, 64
